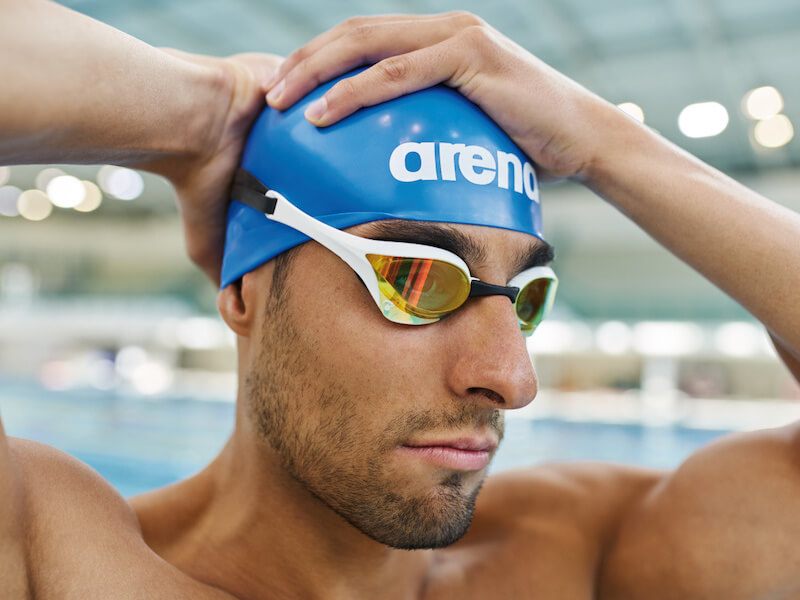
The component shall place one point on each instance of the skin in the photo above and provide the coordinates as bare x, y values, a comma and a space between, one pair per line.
141, 115
278, 516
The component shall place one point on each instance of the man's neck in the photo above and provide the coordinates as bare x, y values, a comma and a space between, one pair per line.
245, 526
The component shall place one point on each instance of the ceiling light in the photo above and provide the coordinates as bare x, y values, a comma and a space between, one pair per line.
763, 103
34, 205
8, 200
738, 339
122, 183
774, 132
614, 337
45, 176
633, 110
703, 119
92, 199
667, 338
66, 191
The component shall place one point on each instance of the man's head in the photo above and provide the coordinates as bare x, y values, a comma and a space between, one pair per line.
389, 425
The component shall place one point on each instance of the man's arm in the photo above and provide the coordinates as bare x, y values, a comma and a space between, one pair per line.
742, 242
724, 525
790, 359
13, 574
78, 91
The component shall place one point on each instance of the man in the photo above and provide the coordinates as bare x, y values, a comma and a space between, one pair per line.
249, 526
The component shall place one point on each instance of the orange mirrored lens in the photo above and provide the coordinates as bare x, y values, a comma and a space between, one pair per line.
534, 301
422, 287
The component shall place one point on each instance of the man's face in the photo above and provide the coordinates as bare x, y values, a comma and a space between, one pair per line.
389, 425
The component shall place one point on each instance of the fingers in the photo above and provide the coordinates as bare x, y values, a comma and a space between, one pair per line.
390, 78
329, 36
345, 28
360, 41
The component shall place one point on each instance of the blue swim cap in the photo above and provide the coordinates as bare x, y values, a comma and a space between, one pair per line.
430, 156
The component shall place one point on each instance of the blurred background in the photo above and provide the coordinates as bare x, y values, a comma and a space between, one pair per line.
110, 346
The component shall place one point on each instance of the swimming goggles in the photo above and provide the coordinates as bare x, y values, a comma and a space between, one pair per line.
412, 284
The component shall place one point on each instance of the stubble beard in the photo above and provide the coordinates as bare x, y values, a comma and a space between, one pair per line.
323, 448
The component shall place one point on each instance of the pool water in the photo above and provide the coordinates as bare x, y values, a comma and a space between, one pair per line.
139, 445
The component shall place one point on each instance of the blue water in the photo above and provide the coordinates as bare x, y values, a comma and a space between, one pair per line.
138, 444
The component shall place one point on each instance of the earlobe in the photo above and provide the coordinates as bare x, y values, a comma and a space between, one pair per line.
235, 309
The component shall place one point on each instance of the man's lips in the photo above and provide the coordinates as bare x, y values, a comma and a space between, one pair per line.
461, 454
473, 444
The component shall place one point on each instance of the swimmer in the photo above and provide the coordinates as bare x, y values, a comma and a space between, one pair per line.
312, 497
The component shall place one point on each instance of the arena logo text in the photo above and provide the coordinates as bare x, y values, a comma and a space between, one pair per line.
475, 163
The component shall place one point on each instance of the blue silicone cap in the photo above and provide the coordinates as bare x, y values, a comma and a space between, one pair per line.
430, 156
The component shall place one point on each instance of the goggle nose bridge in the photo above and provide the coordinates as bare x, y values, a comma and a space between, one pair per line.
481, 288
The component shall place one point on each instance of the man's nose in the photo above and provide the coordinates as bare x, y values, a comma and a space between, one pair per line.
489, 358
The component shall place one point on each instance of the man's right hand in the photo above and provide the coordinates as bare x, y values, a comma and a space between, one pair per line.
201, 179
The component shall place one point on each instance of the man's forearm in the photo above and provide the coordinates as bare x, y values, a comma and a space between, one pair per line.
93, 93
745, 244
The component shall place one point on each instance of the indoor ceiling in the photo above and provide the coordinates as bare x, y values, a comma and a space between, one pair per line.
660, 54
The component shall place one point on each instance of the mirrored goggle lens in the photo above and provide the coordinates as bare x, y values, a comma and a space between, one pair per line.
534, 301
421, 287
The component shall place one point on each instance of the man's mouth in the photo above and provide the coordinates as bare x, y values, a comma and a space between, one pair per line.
458, 454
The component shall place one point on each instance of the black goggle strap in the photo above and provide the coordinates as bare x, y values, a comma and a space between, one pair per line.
248, 190
481, 288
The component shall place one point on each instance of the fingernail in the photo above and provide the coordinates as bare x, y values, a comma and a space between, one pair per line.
317, 109
276, 92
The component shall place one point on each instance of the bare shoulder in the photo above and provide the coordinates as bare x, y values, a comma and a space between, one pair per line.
82, 539
14, 583
723, 525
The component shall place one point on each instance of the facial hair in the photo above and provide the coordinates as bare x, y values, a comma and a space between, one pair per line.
311, 423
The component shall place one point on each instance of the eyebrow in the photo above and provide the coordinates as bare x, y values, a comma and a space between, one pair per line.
539, 253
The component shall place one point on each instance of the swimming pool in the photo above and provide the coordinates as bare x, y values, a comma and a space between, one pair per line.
139, 445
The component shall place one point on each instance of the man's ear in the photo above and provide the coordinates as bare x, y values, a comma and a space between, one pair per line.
237, 306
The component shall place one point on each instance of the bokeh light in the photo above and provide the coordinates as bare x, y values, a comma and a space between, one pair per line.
763, 103
122, 183
9, 195
66, 191
614, 337
653, 338
774, 132
45, 176
739, 339
633, 110
5, 175
92, 199
703, 119
34, 205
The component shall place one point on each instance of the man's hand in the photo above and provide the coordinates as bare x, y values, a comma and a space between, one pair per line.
552, 118
202, 179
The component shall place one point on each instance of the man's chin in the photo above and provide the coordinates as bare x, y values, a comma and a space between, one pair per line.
434, 519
